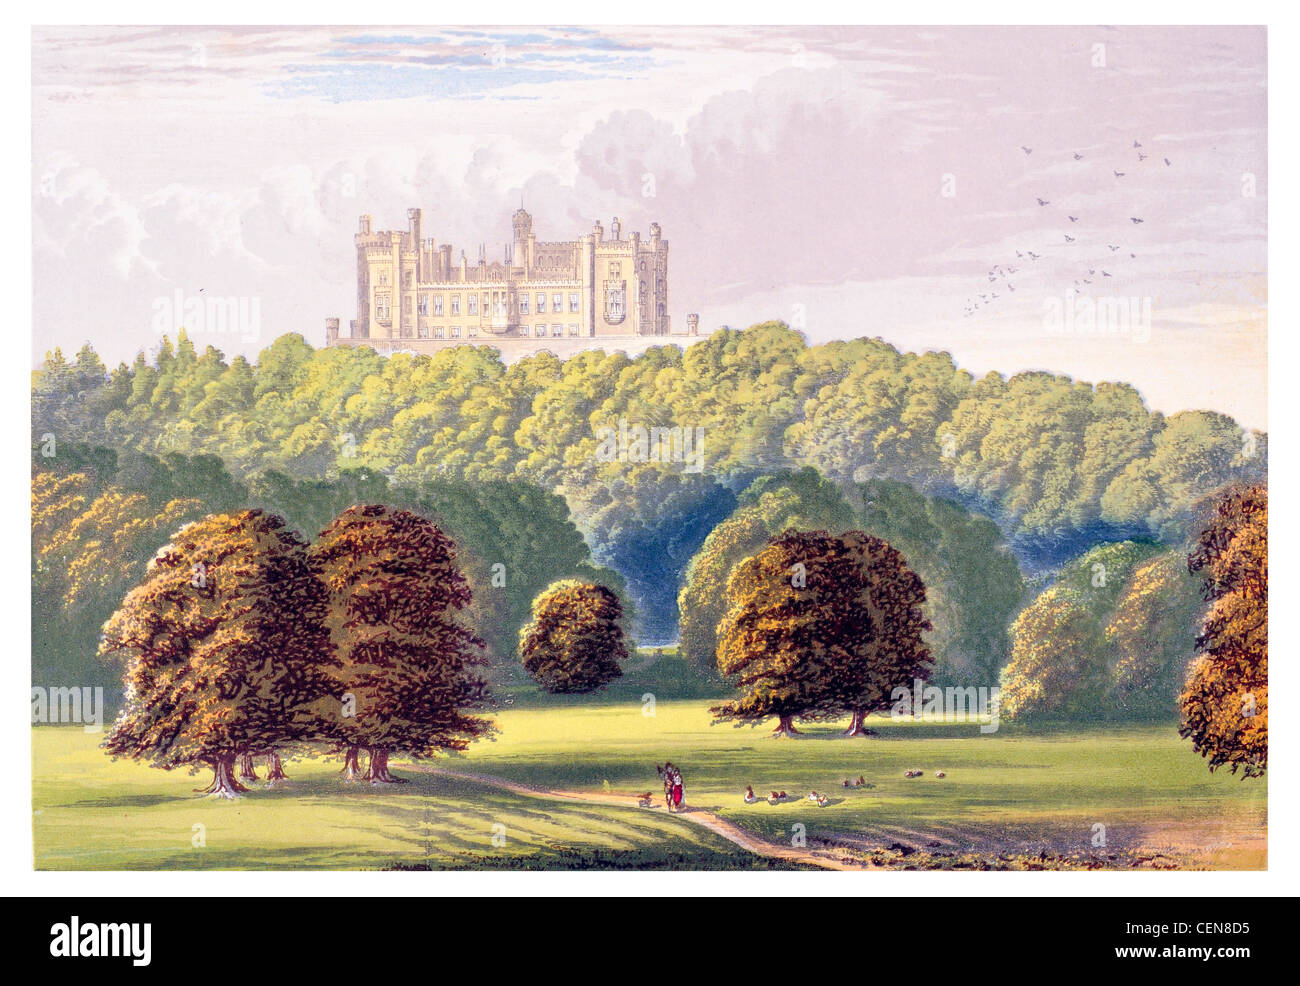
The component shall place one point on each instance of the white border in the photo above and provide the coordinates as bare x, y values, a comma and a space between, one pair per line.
15, 822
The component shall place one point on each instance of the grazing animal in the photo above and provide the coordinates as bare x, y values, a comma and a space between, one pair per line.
861, 780
913, 773
750, 796
822, 801
813, 796
847, 782
645, 800
940, 773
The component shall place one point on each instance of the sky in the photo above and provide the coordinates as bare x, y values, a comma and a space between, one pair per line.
848, 181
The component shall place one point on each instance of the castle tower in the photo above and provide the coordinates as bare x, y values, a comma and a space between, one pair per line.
523, 226
692, 323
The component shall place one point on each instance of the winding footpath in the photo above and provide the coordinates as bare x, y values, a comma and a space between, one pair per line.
696, 816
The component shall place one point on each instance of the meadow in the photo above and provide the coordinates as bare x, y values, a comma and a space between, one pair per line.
1009, 794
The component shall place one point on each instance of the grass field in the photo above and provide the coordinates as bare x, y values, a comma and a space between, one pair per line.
1014, 791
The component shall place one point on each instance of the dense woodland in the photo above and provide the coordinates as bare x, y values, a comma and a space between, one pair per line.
1003, 495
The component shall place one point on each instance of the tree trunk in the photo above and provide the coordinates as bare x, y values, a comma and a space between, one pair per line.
378, 772
224, 784
785, 728
247, 769
351, 767
274, 768
858, 724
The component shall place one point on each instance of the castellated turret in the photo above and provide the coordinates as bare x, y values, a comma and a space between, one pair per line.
556, 295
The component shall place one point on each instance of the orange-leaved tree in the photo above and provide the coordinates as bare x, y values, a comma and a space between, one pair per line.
406, 681
1225, 701
820, 625
224, 646
574, 642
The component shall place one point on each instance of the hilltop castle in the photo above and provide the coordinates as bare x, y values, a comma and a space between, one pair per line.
561, 296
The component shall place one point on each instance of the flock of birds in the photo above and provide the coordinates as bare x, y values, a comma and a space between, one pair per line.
1070, 234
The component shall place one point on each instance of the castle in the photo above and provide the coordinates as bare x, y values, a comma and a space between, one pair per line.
560, 296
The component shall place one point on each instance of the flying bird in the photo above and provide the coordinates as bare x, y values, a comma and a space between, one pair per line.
1044, 202
1134, 220
1105, 274
1141, 156
1074, 219
1027, 150
1078, 156
1136, 144
1069, 238
1166, 161
1111, 248
1034, 256
1119, 174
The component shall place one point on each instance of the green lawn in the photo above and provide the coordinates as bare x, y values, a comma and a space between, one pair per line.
1015, 790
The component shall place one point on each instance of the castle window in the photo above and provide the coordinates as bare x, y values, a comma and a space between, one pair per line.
573, 330
473, 331
557, 331
422, 332
437, 333
541, 303
408, 279
557, 302
455, 304
615, 269
473, 304
437, 305
383, 278
574, 302
455, 331
382, 306
424, 304
523, 330
523, 304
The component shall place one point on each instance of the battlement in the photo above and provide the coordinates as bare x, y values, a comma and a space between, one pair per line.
414, 293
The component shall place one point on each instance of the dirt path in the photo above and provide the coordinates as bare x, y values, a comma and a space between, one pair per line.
696, 816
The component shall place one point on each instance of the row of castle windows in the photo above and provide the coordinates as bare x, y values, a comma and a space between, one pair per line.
497, 301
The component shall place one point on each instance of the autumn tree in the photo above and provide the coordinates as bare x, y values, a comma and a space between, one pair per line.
888, 650
574, 642
818, 625
406, 681
1225, 702
224, 646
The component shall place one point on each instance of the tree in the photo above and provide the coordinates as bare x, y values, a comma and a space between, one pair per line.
1068, 646
819, 625
406, 678
1225, 703
1151, 636
225, 648
771, 504
888, 651
574, 643
1056, 667
973, 582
